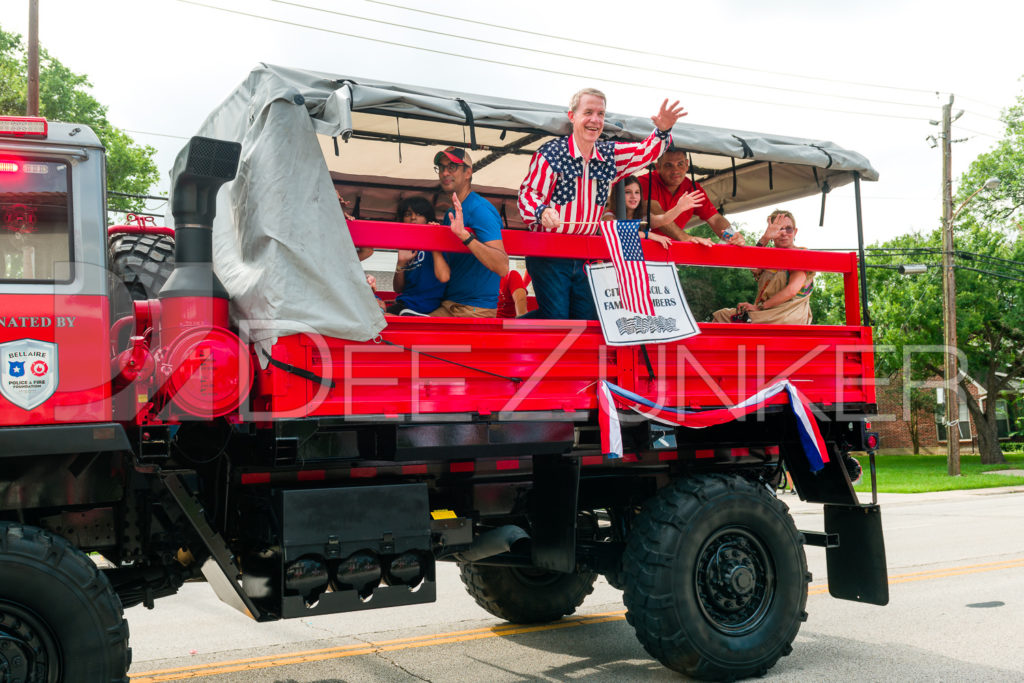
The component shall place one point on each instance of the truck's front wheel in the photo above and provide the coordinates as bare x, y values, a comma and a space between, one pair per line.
716, 578
59, 618
525, 595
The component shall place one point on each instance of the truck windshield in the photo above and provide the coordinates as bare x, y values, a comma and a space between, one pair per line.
35, 220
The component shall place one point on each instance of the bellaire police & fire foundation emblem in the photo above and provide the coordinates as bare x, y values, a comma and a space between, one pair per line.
28, 376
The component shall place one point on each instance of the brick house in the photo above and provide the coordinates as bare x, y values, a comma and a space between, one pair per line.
896, 430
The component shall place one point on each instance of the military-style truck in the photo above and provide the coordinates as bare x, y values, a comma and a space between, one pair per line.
226, 401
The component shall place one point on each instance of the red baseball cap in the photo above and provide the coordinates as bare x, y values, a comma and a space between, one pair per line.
456, 155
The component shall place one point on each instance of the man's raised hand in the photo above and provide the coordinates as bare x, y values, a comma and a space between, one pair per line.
668, 115
457, 226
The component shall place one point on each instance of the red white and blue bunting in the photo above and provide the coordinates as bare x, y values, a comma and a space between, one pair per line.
611, 398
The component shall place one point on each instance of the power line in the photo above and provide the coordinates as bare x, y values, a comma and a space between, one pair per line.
998, 118
136, 213
654, 54
1016, 266
695, 61
886, 266
971, 99
137, 196
924, 249
975, 135
990, 272
600, 61
888, 249
161, 135
659, 88
974, 254
901, 199
935, 266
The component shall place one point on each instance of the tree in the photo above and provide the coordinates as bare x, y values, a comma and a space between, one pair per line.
902, 310
63, 96
921, 401
907, 311
992, 309
989, 261
709, 289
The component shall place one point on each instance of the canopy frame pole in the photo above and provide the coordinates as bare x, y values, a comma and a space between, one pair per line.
865, 317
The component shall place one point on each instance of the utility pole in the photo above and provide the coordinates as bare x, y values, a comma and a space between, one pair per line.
949, 300
32, 98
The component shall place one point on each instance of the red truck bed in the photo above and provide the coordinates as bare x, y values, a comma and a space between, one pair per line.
434, 366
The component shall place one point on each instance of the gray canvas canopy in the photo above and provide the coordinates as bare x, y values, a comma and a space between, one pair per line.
280, 245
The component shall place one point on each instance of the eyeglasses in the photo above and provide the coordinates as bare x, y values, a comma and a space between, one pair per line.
788, 228
448, 168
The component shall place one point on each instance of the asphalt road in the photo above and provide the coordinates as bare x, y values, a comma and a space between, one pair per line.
956, 612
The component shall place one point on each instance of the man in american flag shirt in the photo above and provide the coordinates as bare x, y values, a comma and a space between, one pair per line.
566, 189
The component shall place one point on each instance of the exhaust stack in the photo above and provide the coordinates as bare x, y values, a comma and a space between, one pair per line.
205, 366
210, 163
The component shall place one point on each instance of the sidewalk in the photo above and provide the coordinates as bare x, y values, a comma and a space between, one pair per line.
885, 500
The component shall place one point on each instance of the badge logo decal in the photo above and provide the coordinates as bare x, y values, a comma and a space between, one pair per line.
28, 372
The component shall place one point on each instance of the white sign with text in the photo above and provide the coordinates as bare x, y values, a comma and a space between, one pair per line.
621, 327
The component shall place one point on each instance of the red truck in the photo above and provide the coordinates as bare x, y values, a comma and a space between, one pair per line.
241, 414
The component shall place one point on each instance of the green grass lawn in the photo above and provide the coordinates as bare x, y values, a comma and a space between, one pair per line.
922, 473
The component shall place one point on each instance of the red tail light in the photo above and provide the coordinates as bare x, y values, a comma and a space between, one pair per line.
8, 167
872, 441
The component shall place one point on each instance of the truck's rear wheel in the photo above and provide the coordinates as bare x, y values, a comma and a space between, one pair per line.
716, 578
525, 595
59, 618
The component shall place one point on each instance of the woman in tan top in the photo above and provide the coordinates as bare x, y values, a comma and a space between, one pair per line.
783, 296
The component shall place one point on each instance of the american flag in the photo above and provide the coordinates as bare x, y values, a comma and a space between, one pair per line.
623, 241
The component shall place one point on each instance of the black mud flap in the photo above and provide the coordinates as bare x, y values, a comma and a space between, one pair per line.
856, 567
553, 512
829, 485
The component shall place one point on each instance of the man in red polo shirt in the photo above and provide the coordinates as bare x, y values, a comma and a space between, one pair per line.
668, 185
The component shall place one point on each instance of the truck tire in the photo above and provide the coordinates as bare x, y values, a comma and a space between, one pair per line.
60, 620
616, 578
716, 578
142, 262
526, 596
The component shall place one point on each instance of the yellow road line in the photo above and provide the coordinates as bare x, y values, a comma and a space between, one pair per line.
323, 654
464, 636
339, 648
821, 589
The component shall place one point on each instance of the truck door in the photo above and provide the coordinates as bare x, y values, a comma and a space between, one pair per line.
54, 320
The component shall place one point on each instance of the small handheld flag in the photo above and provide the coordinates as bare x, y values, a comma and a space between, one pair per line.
623, 241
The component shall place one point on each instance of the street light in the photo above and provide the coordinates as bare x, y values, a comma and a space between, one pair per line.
950, 382
990, 184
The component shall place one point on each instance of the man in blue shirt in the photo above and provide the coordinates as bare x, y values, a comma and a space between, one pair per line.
473, 278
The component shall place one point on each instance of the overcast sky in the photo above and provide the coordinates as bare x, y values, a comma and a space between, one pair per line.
867, 76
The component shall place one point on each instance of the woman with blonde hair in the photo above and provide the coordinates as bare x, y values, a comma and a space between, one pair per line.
783, 296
